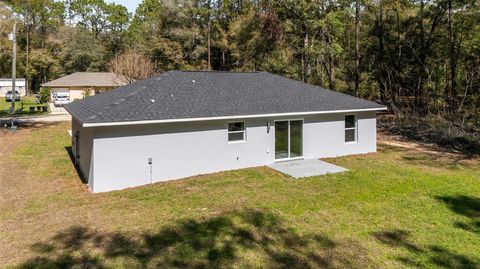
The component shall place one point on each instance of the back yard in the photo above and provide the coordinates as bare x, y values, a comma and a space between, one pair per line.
405, 206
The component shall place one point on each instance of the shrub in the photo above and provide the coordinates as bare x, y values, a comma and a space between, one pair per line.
435, 129
44, 95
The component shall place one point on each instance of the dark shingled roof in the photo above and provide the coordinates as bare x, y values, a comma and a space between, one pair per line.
183, 94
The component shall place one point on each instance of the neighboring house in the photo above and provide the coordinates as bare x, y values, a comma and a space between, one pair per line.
6, 85
81, 84
179, 124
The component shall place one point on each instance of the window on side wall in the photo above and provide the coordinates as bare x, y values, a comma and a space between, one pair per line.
236, 131
350, 128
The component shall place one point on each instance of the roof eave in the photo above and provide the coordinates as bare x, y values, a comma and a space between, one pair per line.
66, 107
123, 123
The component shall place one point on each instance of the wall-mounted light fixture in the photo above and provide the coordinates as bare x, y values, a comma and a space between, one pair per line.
150, 162
268, 127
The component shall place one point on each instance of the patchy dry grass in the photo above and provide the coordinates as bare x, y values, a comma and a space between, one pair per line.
406, 206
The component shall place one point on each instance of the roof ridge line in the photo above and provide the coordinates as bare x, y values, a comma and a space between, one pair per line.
217, 71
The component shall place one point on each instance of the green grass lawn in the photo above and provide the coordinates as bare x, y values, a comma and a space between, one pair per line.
399, 208
25, 101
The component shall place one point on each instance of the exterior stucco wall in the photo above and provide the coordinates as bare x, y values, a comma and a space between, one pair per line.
324, 135
184, 149
76, 93
85, 150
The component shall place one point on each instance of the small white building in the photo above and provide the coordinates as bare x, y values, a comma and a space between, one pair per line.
179, 124
6, 85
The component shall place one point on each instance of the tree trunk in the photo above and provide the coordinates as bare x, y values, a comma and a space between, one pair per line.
453, 62
209, 47
380, 65
357, 46
305, 63
330, 63
399, 45
223, 60
418, 102
332, 75
308, 67
396, 91
320, 73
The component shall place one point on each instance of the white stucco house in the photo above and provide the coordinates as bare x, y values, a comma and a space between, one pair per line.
179, 124
80, 84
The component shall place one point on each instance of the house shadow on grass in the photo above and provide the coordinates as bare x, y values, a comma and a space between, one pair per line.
77, 169
423, 257
249, 238
465, 206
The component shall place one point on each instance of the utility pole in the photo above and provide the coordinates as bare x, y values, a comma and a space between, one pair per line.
14, 64
27, 88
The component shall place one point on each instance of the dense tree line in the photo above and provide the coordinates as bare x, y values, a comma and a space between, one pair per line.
420, 56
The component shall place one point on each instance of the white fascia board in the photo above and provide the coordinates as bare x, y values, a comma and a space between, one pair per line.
100, 124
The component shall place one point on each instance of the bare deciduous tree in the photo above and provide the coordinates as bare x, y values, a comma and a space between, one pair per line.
132, 65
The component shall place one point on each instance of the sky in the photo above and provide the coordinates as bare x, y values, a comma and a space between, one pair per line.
131, 5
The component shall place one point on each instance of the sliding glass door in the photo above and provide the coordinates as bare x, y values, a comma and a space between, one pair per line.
288, 139
296, 137
281, 140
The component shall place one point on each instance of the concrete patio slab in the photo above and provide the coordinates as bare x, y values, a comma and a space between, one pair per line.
306, 168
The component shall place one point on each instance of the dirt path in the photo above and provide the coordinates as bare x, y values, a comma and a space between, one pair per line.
425, 148
399, 141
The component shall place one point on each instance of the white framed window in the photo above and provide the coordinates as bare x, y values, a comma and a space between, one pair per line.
350, 128
236, 131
